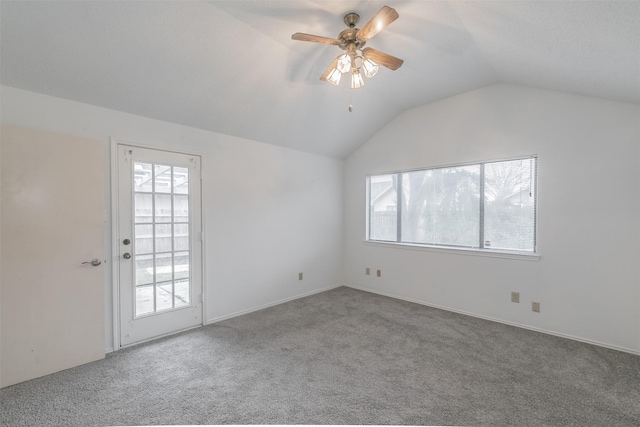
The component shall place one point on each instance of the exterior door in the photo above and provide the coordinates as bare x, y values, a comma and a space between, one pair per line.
159, 242
52, 226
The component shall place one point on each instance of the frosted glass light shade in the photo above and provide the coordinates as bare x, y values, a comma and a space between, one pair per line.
370, 68
344, 63
334, 77
356, 79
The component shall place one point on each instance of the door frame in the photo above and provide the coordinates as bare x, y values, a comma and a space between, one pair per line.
115, 229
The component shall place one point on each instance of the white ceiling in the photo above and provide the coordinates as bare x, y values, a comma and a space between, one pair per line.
231, 66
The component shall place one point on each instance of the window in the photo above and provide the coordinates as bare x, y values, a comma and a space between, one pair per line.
487, 206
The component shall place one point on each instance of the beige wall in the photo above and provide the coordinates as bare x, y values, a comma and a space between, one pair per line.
52, 314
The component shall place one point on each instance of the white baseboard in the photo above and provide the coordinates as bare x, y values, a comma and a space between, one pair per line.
271, 304
518, 325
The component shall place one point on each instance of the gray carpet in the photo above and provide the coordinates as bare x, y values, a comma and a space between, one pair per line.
341, 357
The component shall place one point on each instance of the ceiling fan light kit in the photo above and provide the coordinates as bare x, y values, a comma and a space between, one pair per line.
334, 77
357, 59
370, 68
356, 79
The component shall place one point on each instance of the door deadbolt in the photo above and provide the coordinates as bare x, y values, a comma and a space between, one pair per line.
126, 242
126, 255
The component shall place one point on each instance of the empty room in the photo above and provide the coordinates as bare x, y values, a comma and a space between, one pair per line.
319, 212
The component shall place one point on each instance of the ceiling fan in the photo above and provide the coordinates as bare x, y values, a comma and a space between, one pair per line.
357, 59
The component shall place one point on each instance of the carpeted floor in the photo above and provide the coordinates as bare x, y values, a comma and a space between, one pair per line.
341, 357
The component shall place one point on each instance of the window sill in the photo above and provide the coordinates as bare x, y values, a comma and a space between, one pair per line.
525, 256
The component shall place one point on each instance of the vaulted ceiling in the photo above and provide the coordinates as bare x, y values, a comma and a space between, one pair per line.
231, 66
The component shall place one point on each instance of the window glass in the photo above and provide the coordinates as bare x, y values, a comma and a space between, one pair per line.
441, 206
488, 206
383, 200
509, 205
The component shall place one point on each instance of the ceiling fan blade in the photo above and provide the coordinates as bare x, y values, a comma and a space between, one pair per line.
328, 70
384, 59
379, 22
316, 39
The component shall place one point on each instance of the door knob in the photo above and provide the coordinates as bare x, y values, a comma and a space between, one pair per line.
126, 255
94, 262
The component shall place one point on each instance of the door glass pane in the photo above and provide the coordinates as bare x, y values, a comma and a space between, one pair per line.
163, 179
181, 237
142, 180
144, 269
163, 208
144, 238
181, 208
180, 180
181, 262
163, 238
143, 207
164, 267
144, 299
164, 295
182, 293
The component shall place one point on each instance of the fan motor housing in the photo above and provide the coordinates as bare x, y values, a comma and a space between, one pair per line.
348, 37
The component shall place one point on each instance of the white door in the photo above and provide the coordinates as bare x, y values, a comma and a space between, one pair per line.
159, 241
53, 219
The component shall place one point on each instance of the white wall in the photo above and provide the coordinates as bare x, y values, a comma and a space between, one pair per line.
269, 212
587, 279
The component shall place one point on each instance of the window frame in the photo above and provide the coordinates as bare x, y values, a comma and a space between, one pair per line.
533, 255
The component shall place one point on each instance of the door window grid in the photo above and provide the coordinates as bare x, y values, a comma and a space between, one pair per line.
161, 238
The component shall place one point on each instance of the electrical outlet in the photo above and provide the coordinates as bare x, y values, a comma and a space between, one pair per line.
535, 306
515, 297
367, 271
379, 273
299, 276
